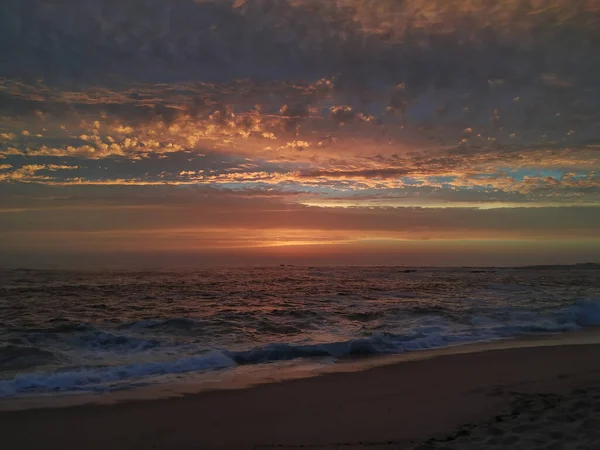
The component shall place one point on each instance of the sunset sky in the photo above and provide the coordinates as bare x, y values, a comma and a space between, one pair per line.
415, 132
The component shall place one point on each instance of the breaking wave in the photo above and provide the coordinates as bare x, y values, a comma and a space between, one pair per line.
440, 332
14, 357
98, 379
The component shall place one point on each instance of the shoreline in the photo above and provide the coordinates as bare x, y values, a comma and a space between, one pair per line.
387, 405
247, 377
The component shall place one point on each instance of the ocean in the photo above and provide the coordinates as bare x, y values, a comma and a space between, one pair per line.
101, 331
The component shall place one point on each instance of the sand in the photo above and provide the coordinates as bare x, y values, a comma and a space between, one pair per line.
519, 398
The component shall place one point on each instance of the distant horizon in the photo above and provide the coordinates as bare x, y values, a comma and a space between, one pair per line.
282, 266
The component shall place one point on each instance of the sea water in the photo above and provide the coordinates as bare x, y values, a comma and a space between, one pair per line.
83, 331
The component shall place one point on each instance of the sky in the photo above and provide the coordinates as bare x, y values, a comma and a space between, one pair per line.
159, 133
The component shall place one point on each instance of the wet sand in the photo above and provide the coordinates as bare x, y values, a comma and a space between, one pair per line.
520, 398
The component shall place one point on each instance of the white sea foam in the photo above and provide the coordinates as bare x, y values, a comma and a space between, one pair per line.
438, 332
97, 379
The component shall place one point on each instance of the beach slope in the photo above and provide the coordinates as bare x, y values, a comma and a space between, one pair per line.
536, 397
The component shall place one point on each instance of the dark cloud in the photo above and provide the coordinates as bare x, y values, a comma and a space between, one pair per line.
97, 208
416, 41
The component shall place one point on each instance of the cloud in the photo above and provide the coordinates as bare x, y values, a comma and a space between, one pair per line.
301, 114
426, 177
286, 38
31, 172
97, 208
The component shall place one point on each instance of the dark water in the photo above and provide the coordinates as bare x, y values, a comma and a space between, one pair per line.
91, 331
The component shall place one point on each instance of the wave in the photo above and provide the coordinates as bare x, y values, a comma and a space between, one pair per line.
221, 324
173, 323
376, 344
109, 378
14, 357
96, 379
435, 332
180, 323
84, 336
104, 340
584, 312
65, 328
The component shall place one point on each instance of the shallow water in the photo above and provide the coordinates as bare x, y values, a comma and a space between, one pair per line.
99, 331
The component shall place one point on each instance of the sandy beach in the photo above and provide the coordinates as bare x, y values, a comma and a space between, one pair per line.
521, 398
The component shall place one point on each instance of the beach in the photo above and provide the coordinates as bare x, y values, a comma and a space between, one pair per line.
542, 396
